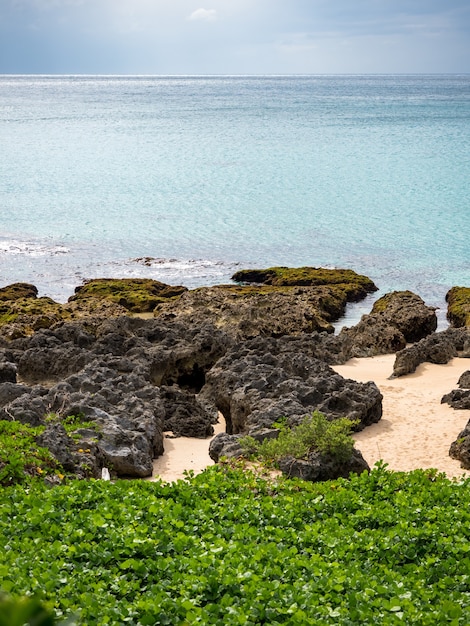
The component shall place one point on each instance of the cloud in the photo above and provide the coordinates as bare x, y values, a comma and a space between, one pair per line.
203, 15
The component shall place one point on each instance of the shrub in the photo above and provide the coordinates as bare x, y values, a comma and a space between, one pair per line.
315, 432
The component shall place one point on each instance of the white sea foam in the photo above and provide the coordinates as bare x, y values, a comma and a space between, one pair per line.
30, 248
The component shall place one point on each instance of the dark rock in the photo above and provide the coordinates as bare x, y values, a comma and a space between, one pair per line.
464, 380
373, 335
184, 416
10, 391
265, 380
319, 467
458, 399
7, 372
437, 348
408, 313
460, 448
84, 462
246, 312
396, 319
225, 445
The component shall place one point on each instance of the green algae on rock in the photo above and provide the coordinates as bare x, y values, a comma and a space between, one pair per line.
138, 295
16, 291
356, 286
458, 306
25, 315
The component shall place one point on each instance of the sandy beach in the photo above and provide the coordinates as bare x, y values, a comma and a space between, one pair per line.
415, 431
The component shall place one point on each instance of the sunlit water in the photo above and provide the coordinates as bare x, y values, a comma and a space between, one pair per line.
207, 175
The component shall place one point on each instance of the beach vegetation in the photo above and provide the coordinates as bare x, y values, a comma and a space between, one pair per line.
230, 547
21, 459
315, 433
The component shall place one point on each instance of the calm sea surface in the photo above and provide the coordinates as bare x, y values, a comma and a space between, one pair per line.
207, 175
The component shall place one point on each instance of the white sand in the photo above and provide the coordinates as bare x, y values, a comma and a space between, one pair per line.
184, 454
415, 431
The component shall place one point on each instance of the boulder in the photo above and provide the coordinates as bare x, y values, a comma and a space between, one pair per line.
184, 416
396, 319
320, 467
464, 380
460, 448
437, 348
264, 380
458, 306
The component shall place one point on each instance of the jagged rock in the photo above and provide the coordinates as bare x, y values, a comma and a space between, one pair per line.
264, 380
373, 335
464, 380
246, 312
184, 416
7, 372
437, 348
408, 313
460, 448
284, 301
83, 462
396, 319
9, 392
319, 467
458, 399
225, 445
458, 306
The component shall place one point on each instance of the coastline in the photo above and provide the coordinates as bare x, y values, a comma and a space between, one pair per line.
415, 431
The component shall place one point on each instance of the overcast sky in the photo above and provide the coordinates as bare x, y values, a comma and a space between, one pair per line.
234, 36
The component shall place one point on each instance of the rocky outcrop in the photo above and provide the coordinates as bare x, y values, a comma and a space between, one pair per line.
319, 467
437, 348
246, 312
258, 352
265, 380
396, 319
138, 295
460, 448
458, 306
460, 398
273, 302
132, 378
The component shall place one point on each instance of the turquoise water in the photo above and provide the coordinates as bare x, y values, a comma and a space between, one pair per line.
209, 174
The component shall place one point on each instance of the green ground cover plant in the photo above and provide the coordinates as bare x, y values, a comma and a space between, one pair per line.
230, 547
20, 457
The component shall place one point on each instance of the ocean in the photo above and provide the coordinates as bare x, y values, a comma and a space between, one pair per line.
186, 179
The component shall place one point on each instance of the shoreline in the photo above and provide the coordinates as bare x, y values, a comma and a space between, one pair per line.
415, 431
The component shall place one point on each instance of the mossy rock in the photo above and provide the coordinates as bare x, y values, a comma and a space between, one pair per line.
138, 295
458, 306
355, 286
393, 299
22, 317
17, 291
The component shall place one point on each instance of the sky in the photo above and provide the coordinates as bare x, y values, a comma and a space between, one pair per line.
234, 36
